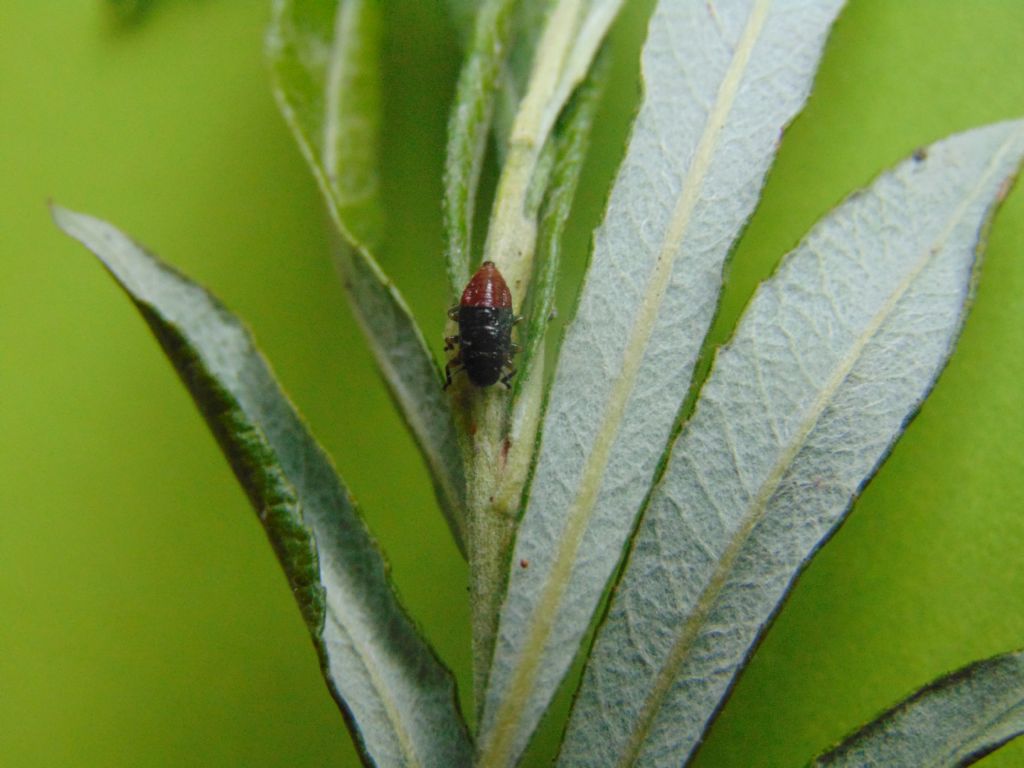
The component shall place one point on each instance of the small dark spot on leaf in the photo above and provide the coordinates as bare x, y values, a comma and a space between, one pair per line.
920, 154
524, 563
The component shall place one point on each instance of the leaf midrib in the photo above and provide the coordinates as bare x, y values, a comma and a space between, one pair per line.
332, 95
373, 672
140, 295
756, 511
542, 620
954, 747
359, 645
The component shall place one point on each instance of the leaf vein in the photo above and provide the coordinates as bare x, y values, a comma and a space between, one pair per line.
755, 512
496, 748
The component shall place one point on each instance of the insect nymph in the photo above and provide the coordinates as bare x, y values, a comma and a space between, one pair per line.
484, 315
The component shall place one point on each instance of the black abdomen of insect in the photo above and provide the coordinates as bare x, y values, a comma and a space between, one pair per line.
484, 315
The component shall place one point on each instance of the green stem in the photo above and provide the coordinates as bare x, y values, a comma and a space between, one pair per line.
499, 453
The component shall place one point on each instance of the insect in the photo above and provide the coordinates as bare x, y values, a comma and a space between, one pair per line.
484, 315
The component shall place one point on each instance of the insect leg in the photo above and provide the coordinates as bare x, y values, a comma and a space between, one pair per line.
450, 342
507, 378
456, 364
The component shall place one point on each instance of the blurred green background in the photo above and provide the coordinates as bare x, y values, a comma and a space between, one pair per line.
143, 620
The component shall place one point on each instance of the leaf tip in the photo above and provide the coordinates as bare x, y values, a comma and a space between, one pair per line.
58, 213
69, 222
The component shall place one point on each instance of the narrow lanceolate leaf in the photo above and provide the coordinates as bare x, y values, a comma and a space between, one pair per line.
720, 82
953, 722
317, 50
324, 57
569, 148
527, 28
468, 130
397, 698
562, 57
832, 358
564, 161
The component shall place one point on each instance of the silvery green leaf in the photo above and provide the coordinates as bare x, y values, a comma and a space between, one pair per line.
527, 24
317, 50
575, 30
527, 27
468, 130
397, 698
830, 361
720, 82
561, 58
324, 58
570, 141
954, 721
501, 43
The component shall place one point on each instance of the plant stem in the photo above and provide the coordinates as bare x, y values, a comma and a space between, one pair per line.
491, 529
498, 460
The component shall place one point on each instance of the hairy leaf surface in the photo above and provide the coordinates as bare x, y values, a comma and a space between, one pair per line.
563, 55
397, 698
325, 61
569, 146
721, 81
527, 28
955, 721
317, 51
468, 130
833, 357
